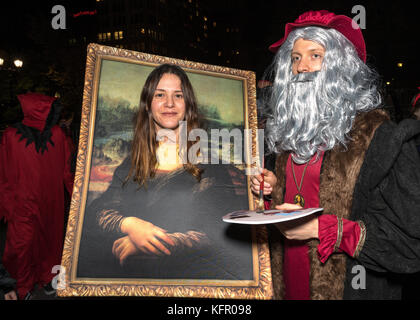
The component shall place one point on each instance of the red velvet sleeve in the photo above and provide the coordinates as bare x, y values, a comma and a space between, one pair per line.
339, 235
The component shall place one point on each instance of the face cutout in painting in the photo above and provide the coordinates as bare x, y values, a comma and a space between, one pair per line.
168, 105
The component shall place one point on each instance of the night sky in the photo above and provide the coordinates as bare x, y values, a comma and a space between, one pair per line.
391, 34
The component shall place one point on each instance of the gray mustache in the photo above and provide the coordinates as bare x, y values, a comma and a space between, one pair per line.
304, 77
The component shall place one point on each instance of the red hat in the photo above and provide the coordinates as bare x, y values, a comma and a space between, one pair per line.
324, 18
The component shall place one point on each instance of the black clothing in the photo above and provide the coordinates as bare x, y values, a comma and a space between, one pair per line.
7, 283
387, 200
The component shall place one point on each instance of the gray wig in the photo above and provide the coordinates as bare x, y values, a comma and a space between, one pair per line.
311, 113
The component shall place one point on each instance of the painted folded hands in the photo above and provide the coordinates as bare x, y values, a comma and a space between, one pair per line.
145, 239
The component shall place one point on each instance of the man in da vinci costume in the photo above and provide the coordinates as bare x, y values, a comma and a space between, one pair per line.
338, 150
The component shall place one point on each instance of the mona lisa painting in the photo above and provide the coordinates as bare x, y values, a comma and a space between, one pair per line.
163, 236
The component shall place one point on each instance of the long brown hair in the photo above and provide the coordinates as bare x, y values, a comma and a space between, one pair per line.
144, 145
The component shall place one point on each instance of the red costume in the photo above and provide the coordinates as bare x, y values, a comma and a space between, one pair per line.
296, 272
296, 262
34, 168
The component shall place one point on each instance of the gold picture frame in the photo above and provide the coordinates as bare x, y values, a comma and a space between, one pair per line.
70, 283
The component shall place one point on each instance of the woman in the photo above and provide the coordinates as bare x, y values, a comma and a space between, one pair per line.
158, 218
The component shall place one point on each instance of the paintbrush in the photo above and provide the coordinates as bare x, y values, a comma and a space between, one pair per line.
261, 197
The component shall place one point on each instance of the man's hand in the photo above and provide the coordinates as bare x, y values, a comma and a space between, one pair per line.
11, 295
270, 181
300, 229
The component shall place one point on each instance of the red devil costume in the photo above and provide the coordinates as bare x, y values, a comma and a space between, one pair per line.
34, 169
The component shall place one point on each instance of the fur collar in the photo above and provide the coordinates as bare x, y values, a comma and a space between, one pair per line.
339, 173
34, 135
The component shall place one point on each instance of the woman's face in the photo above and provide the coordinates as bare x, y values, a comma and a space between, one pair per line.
307, 56
168, 105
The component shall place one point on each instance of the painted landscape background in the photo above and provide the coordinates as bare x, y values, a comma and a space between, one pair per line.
220, 100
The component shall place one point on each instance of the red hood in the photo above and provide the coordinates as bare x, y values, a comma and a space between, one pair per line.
35, 107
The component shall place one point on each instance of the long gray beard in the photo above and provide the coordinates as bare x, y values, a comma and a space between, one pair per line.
308, 126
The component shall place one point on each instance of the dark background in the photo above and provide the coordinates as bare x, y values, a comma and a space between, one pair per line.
231, 33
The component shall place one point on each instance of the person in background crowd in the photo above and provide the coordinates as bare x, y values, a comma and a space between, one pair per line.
34, 169
415, 111
7, 285
415, 114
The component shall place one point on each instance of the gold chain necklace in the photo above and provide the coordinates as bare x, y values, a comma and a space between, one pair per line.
298, 199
